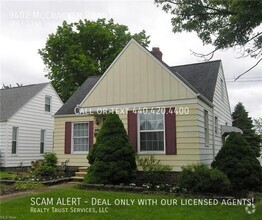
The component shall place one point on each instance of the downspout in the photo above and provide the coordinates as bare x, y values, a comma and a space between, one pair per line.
6, 143
213, 133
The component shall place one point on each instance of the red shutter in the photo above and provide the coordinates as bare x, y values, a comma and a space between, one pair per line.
91, 134
68, 129
170, 126
132, 129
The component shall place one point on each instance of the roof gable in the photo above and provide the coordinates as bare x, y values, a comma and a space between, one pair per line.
136, 76
13, 99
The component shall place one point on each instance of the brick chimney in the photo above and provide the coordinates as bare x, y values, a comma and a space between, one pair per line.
157, 53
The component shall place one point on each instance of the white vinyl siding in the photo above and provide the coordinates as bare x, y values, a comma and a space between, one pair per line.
31, 119
80, 138
151, 133
222, 89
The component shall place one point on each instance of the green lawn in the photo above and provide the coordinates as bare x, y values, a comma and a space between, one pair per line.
20, 208
4, 174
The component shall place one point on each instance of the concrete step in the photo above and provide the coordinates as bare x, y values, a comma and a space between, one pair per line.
81, 174
83, 169
77, 178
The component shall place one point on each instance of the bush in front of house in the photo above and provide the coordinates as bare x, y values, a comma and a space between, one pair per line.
238, 161
152, 168
200, 178
48, 167
111, 158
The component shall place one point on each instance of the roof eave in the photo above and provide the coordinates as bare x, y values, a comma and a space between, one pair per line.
203, 98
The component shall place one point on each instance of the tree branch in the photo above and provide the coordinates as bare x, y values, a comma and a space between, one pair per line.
248, 69
211, 54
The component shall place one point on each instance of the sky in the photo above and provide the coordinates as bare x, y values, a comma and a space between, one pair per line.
25, 26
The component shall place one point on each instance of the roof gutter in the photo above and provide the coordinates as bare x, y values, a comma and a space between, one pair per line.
203, 98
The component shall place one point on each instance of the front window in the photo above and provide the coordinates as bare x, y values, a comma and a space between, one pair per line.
206, 127
151, 132
48, 104
42, 141
14, 140
80, 137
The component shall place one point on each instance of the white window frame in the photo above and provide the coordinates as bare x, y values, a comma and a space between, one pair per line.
72, 138
50, 97
42, 141
138, 137
16, 140
206, 127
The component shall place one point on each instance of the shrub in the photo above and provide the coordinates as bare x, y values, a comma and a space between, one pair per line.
152, 168
45, 171
237, 159
200, 178
111, 159
50, 159
48, 167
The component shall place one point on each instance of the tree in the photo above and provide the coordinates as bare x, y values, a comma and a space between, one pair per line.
258, 125
222, 23
242, 121
111, 159
238, 161
87, 48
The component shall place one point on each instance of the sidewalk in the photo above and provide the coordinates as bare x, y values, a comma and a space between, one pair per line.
17, 195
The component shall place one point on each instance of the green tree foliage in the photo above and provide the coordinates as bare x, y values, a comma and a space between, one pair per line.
222, 23
86, 48
258, 125
238, 161
242, 121
111, 159
200, 178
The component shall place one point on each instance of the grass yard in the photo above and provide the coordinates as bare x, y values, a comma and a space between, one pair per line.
20, 208
4, 174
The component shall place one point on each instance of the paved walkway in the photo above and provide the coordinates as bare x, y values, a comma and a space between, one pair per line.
8, 197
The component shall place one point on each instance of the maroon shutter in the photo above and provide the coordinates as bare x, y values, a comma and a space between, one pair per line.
91, 134
68, 129
132, 129
170, 126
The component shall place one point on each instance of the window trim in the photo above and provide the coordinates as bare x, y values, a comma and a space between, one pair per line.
16, 141
138, 137
72, 138
50, 97
44, 137
206, 128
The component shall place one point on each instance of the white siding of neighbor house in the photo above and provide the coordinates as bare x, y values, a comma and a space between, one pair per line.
222, 112
30, 119
3, 140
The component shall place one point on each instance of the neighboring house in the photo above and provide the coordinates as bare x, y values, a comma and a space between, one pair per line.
27, 123
139, 78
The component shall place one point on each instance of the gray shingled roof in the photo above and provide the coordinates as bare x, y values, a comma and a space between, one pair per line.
202, 76
13, 99
79, 95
